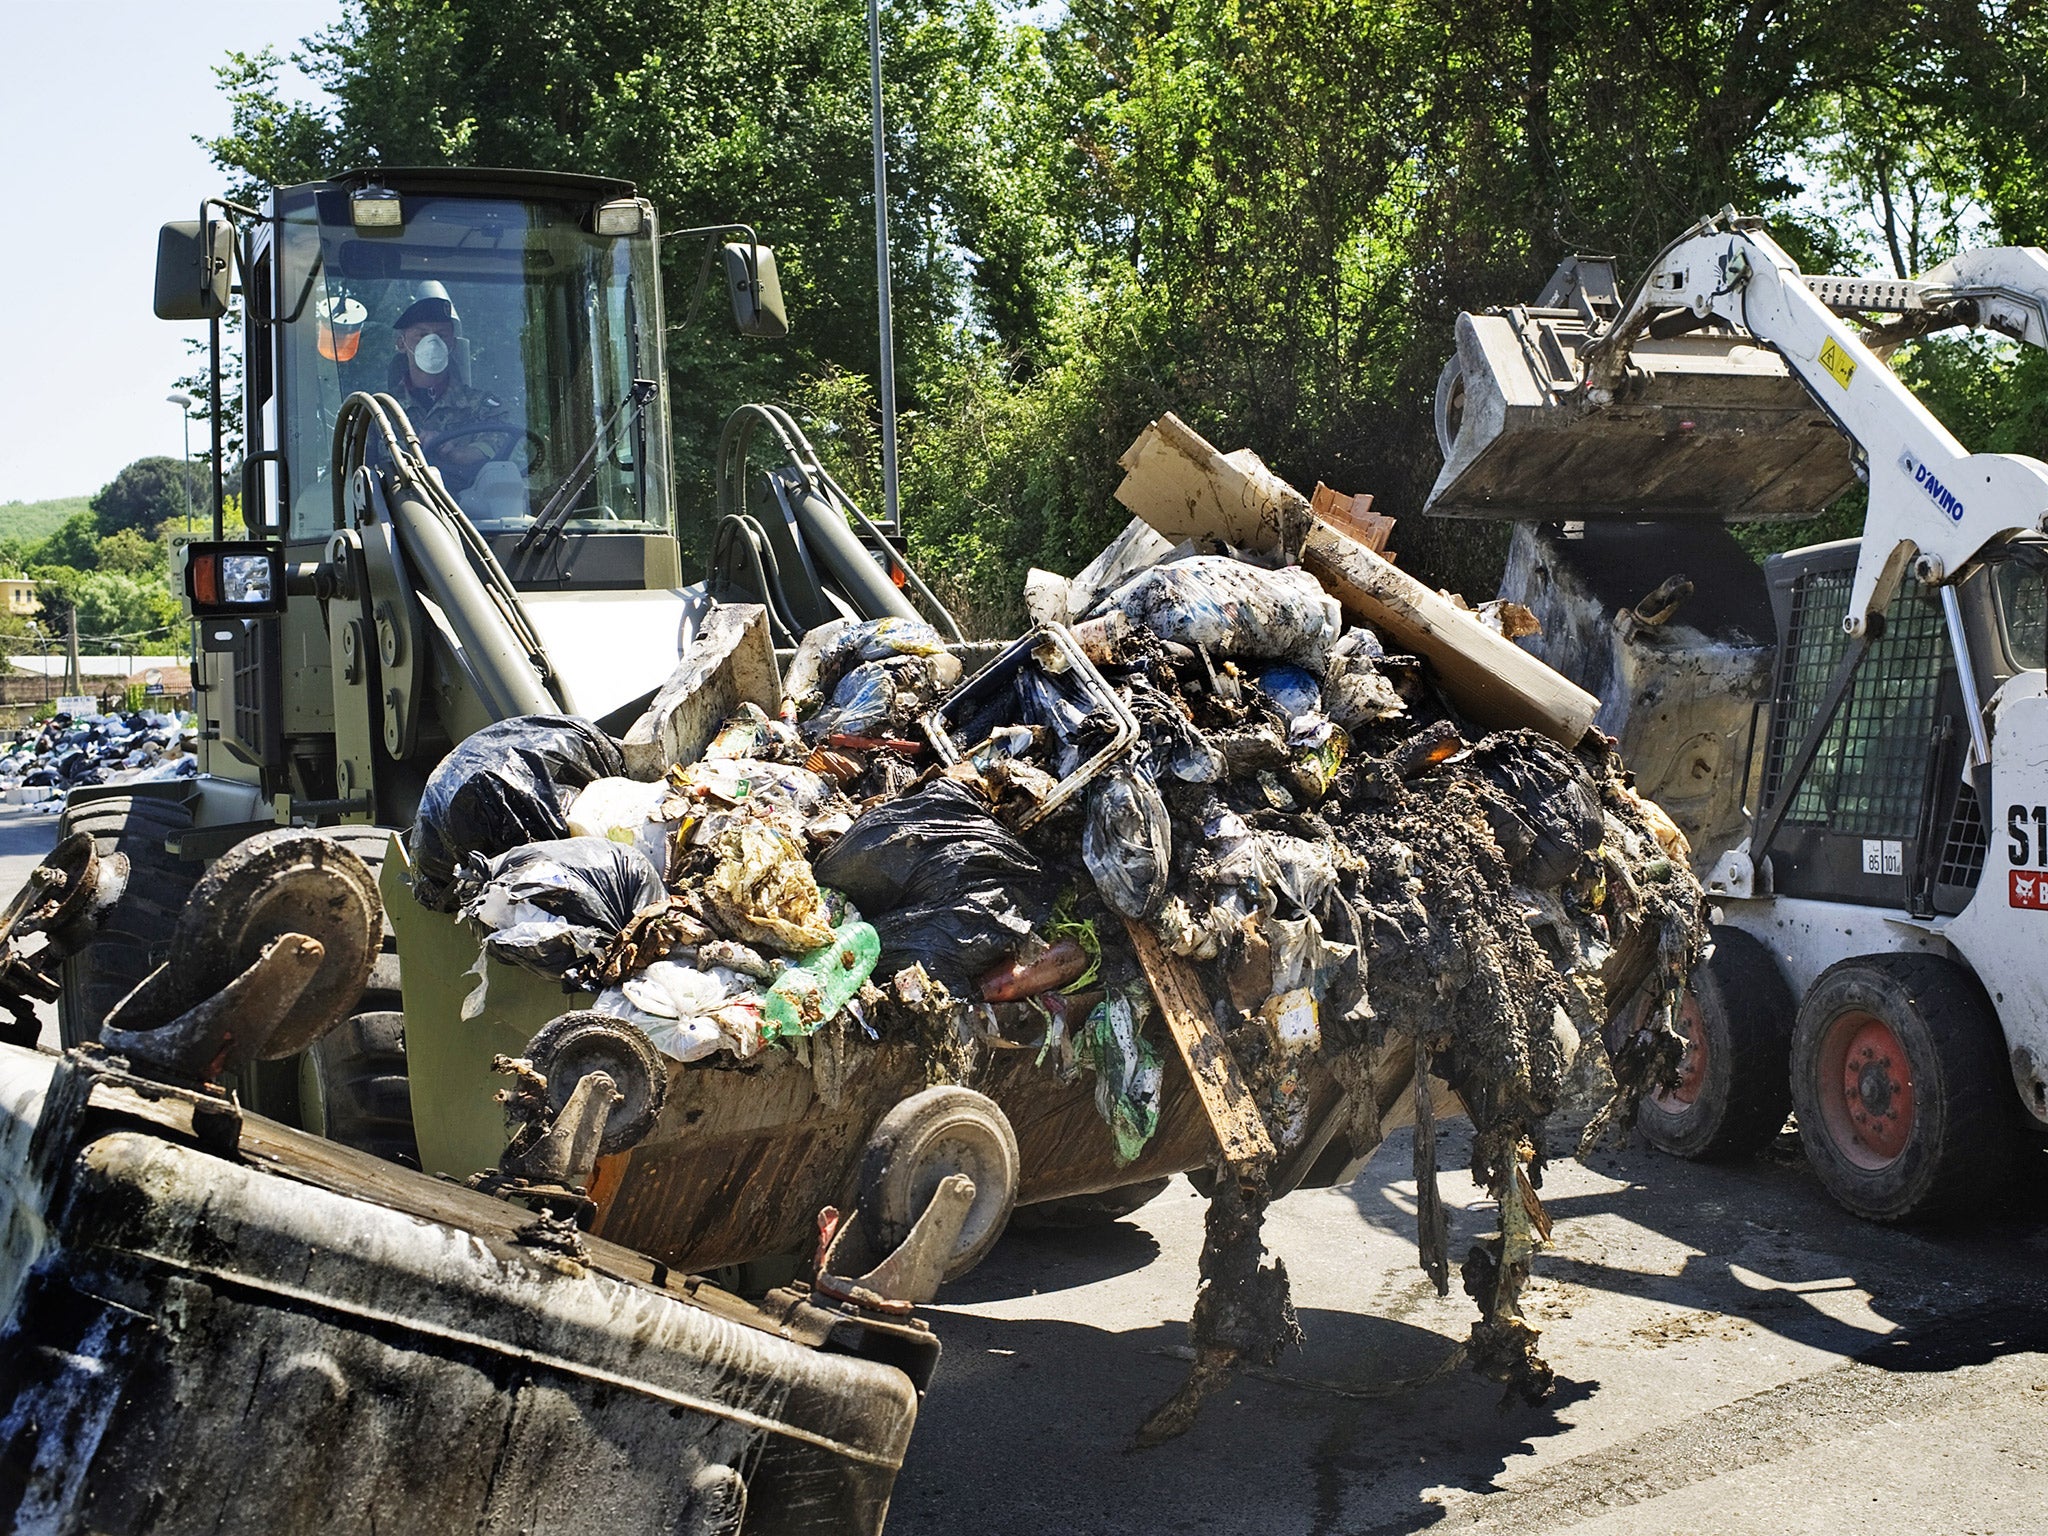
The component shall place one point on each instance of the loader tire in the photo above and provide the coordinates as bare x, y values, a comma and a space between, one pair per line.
1735, 1088
136, 935
1904, 1095
353, 1086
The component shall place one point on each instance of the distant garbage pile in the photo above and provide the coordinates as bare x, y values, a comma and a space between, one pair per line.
66, 752
1245, 794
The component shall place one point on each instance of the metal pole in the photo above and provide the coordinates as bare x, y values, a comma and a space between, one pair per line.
213, 408
891, 514
185, 469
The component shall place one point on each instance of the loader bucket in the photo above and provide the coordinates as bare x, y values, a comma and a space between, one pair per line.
1707, 424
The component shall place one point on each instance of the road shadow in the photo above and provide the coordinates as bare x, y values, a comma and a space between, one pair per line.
26, 834
1054, 1259
1762, 1242
1309, 1453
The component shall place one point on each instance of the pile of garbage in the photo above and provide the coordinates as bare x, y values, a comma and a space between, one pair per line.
1198, 776
65, 752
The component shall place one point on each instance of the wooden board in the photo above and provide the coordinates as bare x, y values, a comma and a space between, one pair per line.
1353, 515
1240, 1132
1489, 678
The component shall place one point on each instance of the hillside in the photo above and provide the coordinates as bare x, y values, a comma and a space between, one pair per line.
31, 521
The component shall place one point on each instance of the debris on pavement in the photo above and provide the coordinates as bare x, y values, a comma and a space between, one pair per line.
44, 762
1247, 802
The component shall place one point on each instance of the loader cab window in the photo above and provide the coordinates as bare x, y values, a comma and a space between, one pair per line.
2022, 597
510, 334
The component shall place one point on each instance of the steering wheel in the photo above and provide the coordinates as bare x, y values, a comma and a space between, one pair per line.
508, 432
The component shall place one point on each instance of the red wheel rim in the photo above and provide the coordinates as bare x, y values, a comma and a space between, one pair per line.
1692, 1064
1866, 1089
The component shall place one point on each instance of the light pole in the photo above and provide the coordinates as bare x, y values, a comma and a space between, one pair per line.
892, 516
184, 403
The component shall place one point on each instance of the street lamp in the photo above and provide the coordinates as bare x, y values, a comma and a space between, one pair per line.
892, 517
184, 403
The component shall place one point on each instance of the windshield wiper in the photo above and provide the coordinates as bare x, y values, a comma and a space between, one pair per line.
555, 514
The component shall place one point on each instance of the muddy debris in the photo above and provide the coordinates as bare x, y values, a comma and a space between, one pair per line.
1204, 819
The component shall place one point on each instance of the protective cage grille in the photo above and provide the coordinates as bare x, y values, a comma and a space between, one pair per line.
1867, 777
1962, 851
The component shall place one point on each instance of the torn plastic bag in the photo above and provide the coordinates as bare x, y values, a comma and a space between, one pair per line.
939, 878
505, 786
1293, 690
1234, 609
688, 1013
555, 907
1126, 1066
615, 808
880, 697
828, 650
1128, 843
782, 794
762, 890
751, 733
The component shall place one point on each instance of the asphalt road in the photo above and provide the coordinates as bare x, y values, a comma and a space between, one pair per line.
26, 834
1734, 1355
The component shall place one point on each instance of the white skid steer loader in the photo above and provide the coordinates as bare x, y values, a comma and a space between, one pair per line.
1878, 849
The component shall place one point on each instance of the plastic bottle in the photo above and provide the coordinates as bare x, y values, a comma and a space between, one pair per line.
816, 986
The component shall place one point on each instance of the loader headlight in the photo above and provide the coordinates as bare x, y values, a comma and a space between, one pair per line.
375, 208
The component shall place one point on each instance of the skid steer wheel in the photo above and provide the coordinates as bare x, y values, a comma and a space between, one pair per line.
1734, 1089
1097, 1210
1901, 1084
352, 1084
941, 1131
136, 936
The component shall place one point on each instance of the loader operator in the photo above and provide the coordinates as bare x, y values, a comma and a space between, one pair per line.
441, 405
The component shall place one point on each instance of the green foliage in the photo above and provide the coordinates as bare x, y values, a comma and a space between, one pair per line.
152, 491
23, 524
129, 553
1262, 216
76, 544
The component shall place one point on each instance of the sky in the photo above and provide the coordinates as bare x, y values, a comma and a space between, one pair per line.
102, 101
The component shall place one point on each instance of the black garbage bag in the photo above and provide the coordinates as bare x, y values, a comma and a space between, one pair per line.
1546, 816
943, 883
555, 907
507, 785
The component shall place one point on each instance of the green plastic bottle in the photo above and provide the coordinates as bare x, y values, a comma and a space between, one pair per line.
816, 986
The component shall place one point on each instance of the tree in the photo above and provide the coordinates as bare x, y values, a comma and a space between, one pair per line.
149, 492
76, 543
129, 553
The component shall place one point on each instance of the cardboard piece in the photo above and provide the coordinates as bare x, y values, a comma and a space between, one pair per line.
1185, 489
730, 662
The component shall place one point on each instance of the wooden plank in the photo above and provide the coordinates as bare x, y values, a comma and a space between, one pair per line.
1240, 1131
1491, 679
1185, 489
1353, 515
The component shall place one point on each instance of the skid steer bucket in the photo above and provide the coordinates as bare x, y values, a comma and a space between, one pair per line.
1704, 424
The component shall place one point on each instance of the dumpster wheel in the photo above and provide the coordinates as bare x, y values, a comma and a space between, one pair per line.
943, 1130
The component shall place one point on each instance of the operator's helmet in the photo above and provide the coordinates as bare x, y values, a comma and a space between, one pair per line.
430, 302
341, 328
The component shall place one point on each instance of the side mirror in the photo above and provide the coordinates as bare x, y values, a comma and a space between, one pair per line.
756, 291
238, 579
194, 268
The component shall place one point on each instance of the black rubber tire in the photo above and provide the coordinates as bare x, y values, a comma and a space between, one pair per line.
940, 1131
136, 936
354, 1088
1083, 1211
1958, 1147
1744, 1013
